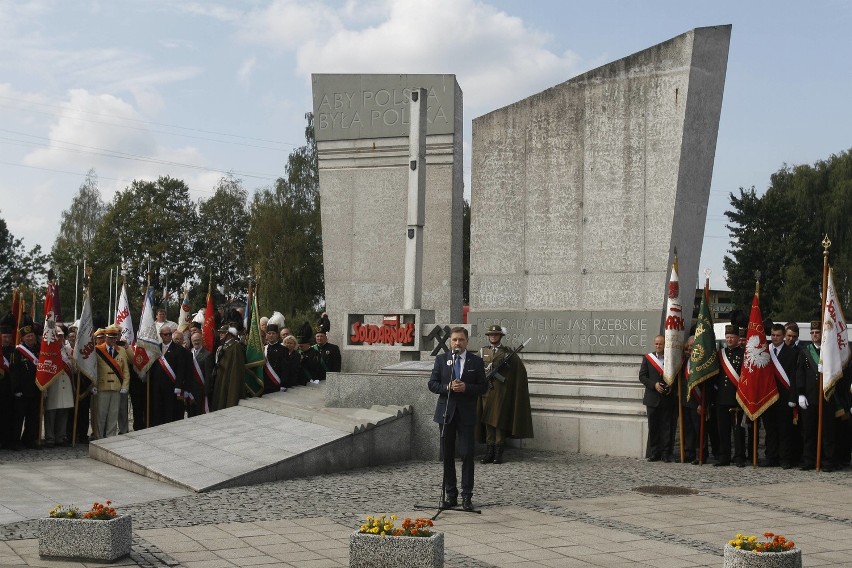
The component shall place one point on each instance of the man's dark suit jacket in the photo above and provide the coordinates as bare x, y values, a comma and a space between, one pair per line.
463, 403
650, 376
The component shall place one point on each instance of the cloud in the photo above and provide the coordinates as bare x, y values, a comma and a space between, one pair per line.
245, 71
496, 57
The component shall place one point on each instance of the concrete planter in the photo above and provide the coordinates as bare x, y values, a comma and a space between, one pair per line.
370, 550
736, 558
85, 538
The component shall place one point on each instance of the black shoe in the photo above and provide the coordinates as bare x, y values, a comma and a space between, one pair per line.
489, 455
786, 465
773, 463
722, 463
654, 459
450, 502
739, 462
466, 504
806, 467
666, 458
828, 468
695, 462
498, 454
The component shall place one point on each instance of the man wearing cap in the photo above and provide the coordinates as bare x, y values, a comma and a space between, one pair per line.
113, 379
168, 376
808, 390
22, 371
724, 392
276, 367
328, 355
229, 371
504, 410
308, 358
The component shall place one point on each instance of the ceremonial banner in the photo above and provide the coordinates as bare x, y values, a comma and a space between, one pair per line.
84, 348
254, 356
208, 330
148, 340
50, 364
185, 318
673, 353
704, 359
757, 389
834, 350
124, 320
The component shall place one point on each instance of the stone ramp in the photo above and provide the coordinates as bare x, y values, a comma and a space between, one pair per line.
279, 436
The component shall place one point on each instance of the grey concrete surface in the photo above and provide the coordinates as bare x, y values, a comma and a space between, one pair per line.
538, 509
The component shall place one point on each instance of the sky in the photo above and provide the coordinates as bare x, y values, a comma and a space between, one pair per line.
197, 90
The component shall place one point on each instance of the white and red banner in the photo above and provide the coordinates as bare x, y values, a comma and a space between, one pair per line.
50, 364
84, 348
757, 389
209, 328
185, 318
148, 340
673, 353
124, 320
834, 351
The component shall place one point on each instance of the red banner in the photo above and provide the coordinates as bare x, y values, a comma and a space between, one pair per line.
757, 389
50, 363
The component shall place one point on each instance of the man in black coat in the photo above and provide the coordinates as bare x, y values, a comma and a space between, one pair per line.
276, 368
660, 403
197, 386
168, 377
808, 389
22, 371
729, 415
328, 355
778, 418
458, 379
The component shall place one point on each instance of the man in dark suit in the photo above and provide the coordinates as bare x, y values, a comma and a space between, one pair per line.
197, 386
458, 379
808, 391
328, 355
168, 376
728, 412
778, 418
659, 402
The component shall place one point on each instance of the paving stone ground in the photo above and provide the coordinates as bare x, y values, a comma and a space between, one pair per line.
539, 509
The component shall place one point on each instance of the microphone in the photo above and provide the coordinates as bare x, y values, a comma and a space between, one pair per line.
456, 352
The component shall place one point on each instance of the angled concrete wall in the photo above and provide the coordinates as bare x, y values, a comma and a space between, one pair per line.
581, 192
362, 140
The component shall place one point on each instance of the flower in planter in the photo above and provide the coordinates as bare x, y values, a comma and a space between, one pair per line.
98, 512
384, 526
773, 543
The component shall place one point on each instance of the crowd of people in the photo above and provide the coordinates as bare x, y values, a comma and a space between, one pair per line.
186, 380
790, 424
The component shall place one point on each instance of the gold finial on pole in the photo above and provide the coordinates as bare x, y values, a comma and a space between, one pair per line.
756, 281
826, 243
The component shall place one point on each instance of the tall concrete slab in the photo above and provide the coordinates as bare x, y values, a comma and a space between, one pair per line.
580, 194
362, 125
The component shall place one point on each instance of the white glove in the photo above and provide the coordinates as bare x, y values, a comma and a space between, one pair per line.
803, 402
178, 392
283, 389
791, 404
188, 395
122, 391
19, 394
94, 390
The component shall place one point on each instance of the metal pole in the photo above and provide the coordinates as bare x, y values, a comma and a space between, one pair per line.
109, 301
76, 289
825, 245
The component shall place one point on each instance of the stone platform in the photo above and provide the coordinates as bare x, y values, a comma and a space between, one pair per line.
280, 436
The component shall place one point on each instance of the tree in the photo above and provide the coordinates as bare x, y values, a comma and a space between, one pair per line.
223, 224
148, 224
285, 238
780, 234
20, 267
76, 238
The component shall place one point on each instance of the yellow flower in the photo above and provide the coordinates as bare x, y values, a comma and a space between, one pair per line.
393, 517
383, 533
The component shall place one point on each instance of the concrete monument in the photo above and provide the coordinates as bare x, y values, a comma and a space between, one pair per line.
597, 180
362, 130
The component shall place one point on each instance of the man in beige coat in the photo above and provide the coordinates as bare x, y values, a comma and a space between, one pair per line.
113, 381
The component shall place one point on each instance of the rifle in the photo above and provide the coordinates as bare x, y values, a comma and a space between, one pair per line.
491, 373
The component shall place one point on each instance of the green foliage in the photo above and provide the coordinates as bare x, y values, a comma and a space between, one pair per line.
285, 238
780, 234
20, 267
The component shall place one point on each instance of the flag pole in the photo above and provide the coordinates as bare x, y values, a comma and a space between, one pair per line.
147, 382
87, 280
826, 243
702, 418
76, 289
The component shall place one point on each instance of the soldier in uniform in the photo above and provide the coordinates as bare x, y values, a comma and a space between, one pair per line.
229, 370
328, 355
22, 371
276, 368
728, 412
504, 410
113, 378
308, 358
